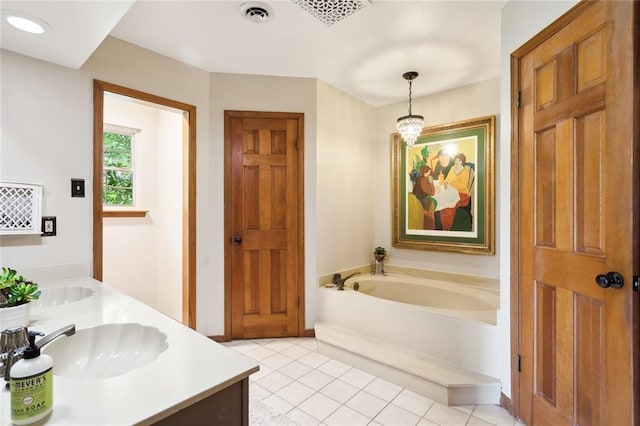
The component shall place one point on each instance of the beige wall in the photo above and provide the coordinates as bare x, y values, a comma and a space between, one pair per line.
475, 100
346, 194
257, 93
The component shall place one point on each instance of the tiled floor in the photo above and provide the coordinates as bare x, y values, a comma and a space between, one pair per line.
312, 389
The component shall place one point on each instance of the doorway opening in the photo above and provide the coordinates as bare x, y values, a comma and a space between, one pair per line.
173, 196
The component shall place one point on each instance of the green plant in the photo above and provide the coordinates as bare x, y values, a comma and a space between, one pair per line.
380, 251
15, 289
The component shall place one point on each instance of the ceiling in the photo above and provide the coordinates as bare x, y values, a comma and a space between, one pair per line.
450, 43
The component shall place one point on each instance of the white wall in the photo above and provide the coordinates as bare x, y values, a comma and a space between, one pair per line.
46, 137
475, 100
142, 257
521, 20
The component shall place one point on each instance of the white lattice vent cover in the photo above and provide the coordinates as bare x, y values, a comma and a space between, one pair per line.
331, 11
20, 208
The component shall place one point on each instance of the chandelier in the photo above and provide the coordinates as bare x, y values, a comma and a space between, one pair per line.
410, 125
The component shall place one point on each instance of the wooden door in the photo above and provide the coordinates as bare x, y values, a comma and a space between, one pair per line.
577, 132
264, 216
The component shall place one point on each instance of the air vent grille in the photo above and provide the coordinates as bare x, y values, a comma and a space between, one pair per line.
256, 11
20, 208
330, 12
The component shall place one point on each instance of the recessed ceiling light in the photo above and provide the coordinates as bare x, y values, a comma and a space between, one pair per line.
24, 22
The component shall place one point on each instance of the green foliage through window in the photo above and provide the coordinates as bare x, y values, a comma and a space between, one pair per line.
117, 175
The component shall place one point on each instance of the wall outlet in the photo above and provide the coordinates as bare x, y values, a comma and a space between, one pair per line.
77, 188
48, 226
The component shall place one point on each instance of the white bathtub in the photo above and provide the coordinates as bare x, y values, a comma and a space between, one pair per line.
415, 325
446, 298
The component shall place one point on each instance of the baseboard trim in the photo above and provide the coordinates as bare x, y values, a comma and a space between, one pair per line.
505, 402
307, 333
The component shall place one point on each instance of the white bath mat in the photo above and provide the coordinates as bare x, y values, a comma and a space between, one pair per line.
260, 414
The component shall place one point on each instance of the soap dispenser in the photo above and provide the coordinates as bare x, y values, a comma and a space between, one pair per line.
31, 385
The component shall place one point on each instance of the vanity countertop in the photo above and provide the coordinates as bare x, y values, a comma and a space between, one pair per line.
192, 367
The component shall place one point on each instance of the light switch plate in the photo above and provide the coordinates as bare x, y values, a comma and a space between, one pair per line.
77, 188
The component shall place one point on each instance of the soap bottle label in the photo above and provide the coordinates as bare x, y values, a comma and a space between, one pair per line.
32, 395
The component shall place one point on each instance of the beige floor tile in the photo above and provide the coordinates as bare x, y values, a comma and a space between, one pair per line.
274, 382
413, 402
294, 393
276, 361
441, 414
295, 369
264, 371
425, 422
258, 392
244, 346
302, 418
357, 378
316, 379
313, 359
334, 368
340, 391
278, 404
367, 404
346, 416
260, 353
392, 415
278, 345
319, 406
493, 414
309, 343
383, 389
295, 351
474, 421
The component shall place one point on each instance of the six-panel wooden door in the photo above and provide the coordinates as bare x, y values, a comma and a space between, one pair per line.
578, 195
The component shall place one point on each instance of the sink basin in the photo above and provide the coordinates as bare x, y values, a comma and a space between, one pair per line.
106, 351
61, 295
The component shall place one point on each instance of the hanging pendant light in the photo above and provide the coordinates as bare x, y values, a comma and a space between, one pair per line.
410, 125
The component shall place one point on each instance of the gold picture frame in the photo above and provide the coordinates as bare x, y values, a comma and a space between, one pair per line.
443, 188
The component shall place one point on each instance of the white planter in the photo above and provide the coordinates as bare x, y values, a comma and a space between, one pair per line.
15, 316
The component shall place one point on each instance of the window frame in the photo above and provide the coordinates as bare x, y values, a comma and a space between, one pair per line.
123, 210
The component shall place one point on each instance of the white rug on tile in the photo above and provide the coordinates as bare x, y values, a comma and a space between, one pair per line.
260, 414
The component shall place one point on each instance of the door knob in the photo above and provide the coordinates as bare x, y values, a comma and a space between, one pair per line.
612, 279
237, 239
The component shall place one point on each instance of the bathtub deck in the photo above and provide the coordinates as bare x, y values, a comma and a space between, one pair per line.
434, 378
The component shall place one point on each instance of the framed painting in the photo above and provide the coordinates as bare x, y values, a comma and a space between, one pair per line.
443, 188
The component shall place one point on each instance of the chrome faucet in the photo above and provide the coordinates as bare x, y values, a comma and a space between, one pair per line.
14, 341
339, 281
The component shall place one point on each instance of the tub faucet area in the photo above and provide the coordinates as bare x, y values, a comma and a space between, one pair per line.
339, 281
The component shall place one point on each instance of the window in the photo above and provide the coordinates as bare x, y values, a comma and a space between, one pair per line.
118, 173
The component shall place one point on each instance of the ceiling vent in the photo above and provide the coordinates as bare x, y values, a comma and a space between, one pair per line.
331, 11
256, 11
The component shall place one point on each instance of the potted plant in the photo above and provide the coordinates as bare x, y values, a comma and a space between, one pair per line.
15, 294
379, 253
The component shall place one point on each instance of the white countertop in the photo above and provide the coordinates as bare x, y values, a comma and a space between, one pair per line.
190, 369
